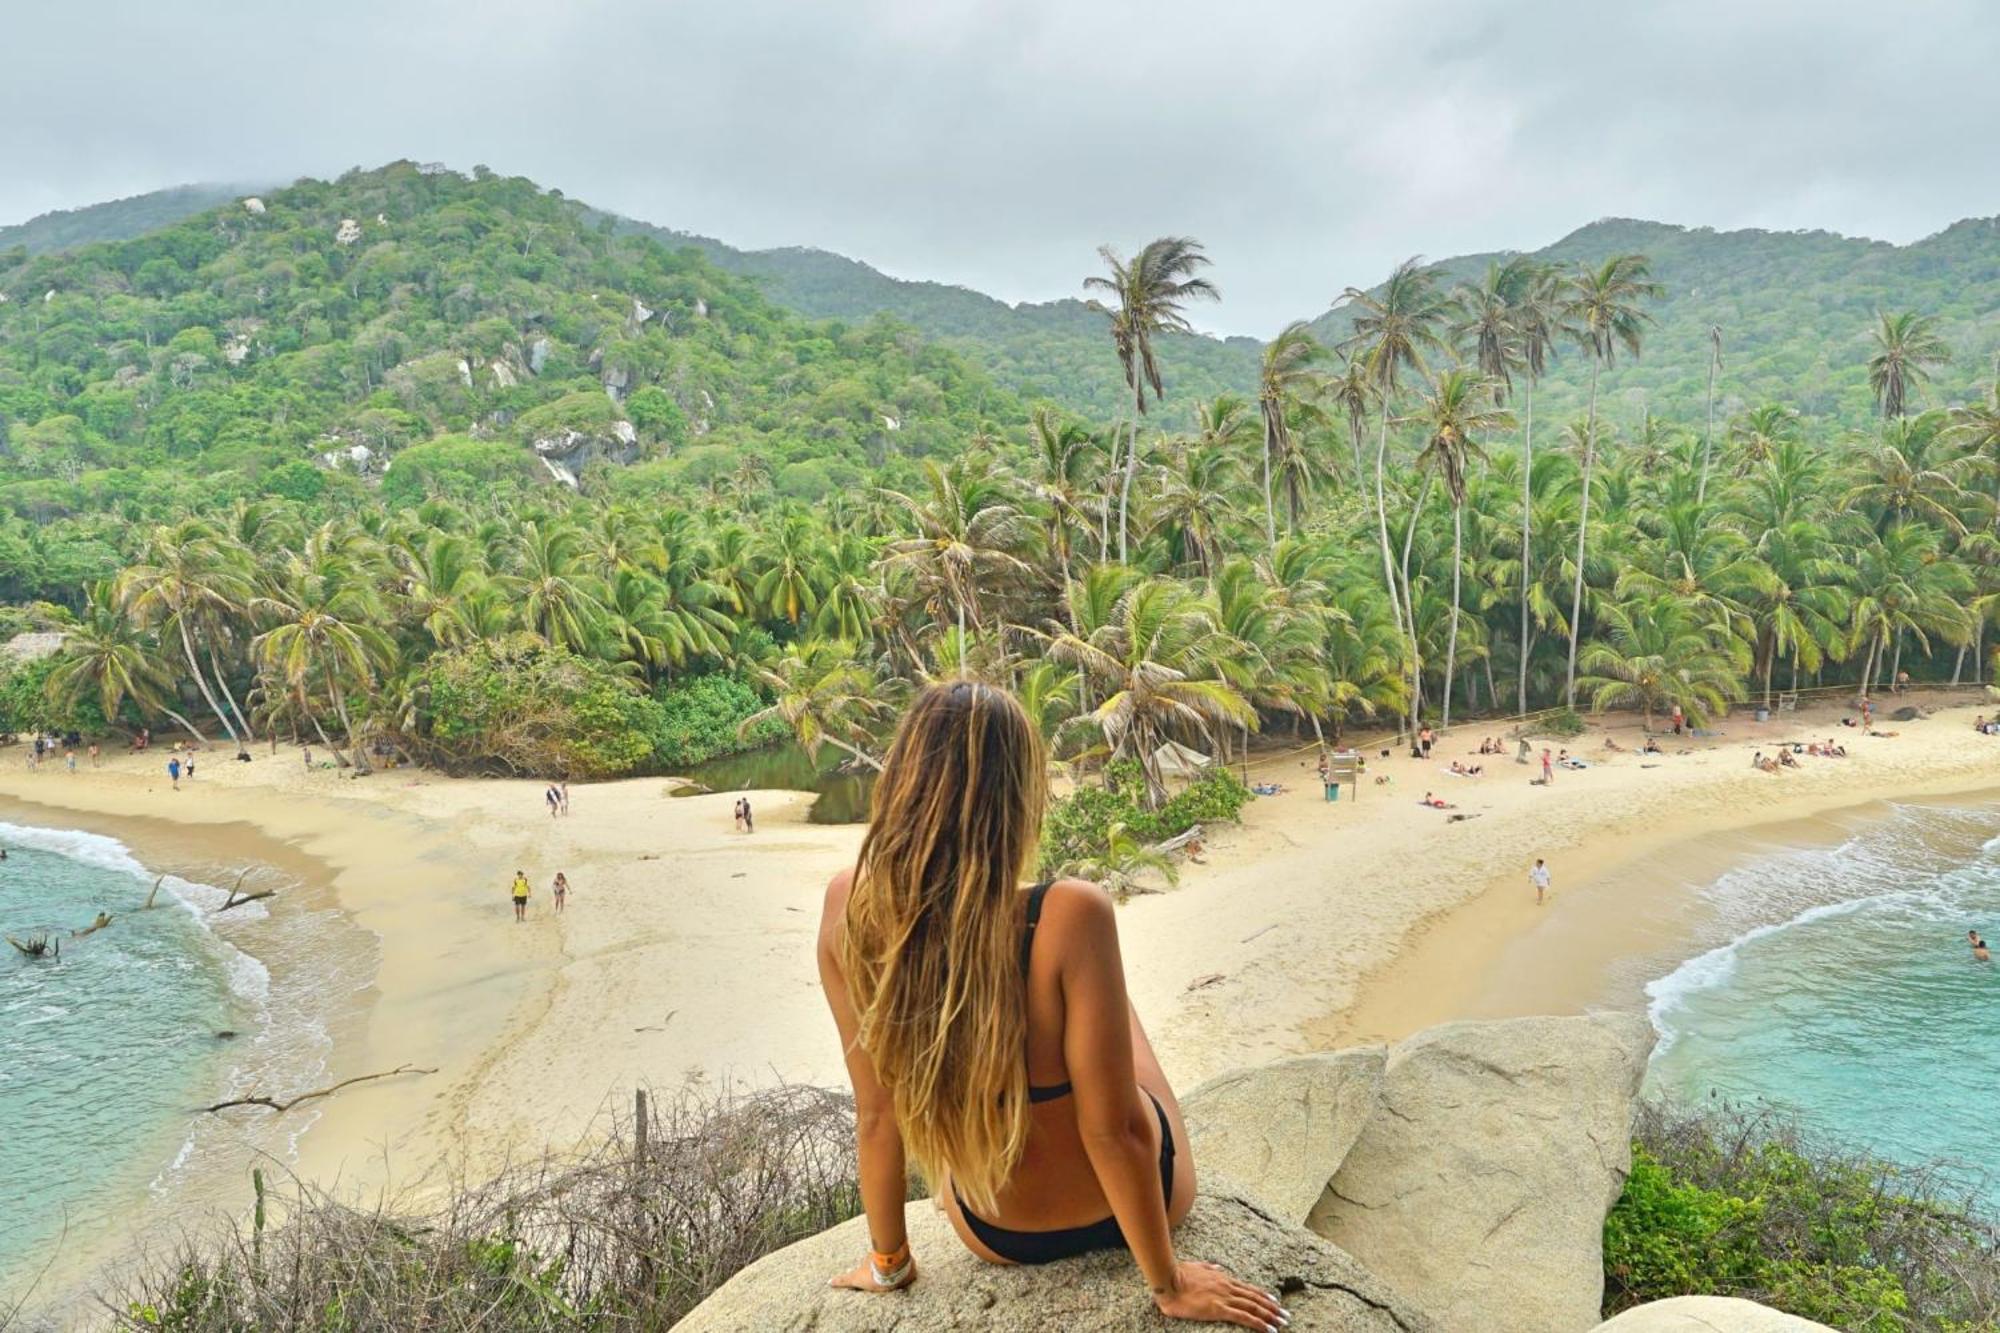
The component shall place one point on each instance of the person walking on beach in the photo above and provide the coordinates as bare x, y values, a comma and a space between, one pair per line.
749, 820
562, 793
736, 813
520, 896
561, 890
1539, 877
174, 772
69, 760
1548, 768
96, 756
187, 769
551, 799
1980, 953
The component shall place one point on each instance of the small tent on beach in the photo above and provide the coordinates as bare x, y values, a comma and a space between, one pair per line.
1175, 760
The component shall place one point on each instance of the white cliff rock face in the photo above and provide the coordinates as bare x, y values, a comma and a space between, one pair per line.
237, 351
641, 312
625, 431
1708, 1314
253, 205
538, 355
347, 233
1479, 1189
503, 374
465, 373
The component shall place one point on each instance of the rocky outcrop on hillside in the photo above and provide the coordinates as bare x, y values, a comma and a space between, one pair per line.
1456, 1182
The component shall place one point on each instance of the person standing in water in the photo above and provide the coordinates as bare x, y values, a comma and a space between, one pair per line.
1980, 953
520, 896
1539, 877
561, 890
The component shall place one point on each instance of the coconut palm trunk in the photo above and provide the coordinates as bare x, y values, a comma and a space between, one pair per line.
201, 680
1582, 536
1527, 531
1410, 599
1451, 639
1382, 524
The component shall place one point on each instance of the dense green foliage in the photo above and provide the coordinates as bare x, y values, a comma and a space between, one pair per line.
1741, 1206
1101, 833
704, 718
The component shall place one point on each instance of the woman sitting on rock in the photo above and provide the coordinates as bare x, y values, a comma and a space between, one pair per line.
987, 1030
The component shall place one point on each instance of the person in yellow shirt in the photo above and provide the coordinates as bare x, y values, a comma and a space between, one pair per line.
520, 896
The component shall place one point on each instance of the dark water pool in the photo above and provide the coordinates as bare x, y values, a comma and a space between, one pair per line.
842, 795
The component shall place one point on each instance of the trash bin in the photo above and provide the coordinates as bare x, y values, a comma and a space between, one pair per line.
1763, 715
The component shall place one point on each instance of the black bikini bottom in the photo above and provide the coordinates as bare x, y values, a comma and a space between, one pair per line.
1041, 1247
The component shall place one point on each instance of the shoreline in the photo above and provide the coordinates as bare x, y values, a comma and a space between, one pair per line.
686, 949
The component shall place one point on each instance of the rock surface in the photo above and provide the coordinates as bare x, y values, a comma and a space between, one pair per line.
1281, 1130
1479, 1188
1325, 1290
1708, 1314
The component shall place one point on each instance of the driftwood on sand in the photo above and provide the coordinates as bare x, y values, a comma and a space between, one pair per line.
237, 897
273, 1104
38, 946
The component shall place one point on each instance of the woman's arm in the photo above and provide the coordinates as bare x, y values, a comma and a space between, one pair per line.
1115, 1121
878, 1140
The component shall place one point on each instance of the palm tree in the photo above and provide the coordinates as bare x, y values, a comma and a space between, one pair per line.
1756, 435
1708, 439
559, 600
1350, 392
1392, 332
1656, 654
1285, 378
824, 696
326, 627
105, 656
1458, 409
1148, 295
1906, 347
791, 553
1156, 656
1902, 588
185, 579
1603, 310
1975, 427
968, 530
1513, 320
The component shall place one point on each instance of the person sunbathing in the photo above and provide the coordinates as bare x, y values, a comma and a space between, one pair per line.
1833, 751
1652, 746
987, 1029
1436, 802
1611, 743
1785, 758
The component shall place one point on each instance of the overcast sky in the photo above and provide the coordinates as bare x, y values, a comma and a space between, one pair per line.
997, 143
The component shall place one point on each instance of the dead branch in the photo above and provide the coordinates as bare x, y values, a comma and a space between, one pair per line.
38, 946
236, 889
155, 892
282, 1107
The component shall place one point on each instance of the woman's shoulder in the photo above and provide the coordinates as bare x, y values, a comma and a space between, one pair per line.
1077, 904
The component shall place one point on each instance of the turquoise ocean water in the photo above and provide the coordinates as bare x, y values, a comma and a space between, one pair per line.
1847, 992
105, 1051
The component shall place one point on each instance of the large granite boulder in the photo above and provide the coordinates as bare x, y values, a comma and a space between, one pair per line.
1708, 1314
1280, 1131
1480, 1186
787, 1292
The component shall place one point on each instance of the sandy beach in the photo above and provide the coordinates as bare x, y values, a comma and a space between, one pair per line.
686, 948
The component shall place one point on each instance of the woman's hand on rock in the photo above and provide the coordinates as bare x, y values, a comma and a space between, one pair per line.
861, 1277
1208, 1294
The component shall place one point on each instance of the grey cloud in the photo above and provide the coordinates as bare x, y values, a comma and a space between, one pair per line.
998, 143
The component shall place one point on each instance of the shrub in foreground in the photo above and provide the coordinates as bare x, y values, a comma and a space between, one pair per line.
1735, 1203
621, 1240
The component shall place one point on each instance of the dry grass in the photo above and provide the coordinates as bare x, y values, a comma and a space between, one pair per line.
619, 1240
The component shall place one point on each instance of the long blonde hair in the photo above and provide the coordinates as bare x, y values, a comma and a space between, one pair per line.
932, 941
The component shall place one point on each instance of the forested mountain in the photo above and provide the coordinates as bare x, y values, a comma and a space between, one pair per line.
1795, 310
456, 327
1055, 350
115, 220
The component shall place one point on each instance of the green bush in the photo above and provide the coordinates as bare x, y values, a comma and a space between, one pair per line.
522, 706
1742, 1205
1562, 724
698, 721
1078, 828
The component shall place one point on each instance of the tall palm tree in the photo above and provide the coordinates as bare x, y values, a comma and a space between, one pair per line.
1393, 330
1657, 654
325, 630
968, 532
1604, 313
1147, 298
107, 658
1907, 345
186, 578
559, 599
1513, 320
1458, 410
1708, 439
1284, 380
1350, 392
1975, 428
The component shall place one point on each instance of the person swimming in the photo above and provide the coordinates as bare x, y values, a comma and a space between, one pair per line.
987, 1029
1980, 953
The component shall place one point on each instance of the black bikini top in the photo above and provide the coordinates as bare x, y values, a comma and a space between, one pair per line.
1051, 1091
